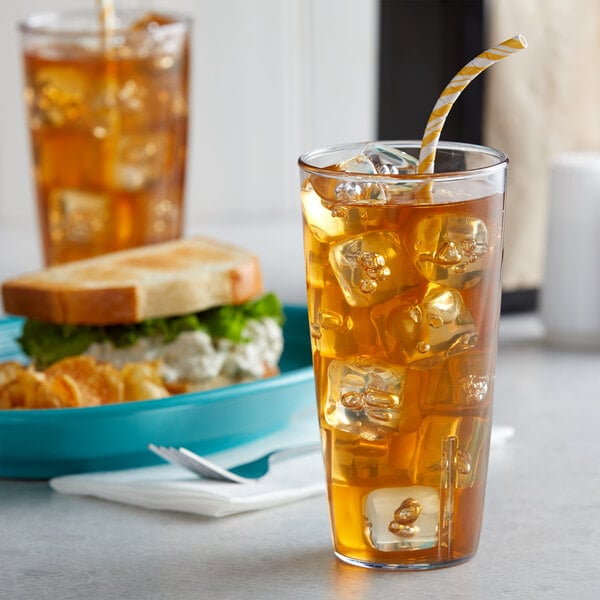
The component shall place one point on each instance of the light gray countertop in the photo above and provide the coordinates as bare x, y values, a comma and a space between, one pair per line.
541, 534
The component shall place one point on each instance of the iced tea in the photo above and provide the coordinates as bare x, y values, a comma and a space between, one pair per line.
108, 118
403, 302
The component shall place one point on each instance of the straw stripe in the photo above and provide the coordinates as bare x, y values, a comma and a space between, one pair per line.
451, 92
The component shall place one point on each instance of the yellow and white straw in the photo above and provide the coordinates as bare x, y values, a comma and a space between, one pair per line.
106, 12
451, 92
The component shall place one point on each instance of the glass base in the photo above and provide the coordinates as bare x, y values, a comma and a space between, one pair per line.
365, 564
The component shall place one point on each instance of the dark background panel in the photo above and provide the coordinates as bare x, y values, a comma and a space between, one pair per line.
423, 43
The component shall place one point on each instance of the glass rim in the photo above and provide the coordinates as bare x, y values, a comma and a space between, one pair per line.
500, 163
51, 23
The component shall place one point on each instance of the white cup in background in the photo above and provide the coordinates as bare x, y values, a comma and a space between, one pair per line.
570, 294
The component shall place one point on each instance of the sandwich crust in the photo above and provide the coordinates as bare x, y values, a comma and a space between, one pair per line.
172, 278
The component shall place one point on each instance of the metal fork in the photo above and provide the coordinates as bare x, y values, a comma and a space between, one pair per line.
245, 473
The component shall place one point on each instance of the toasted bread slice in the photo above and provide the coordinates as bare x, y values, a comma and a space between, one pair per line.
173, 278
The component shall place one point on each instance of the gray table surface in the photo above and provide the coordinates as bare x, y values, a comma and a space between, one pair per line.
541, 536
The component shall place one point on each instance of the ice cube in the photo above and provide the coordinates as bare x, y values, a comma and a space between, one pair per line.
328, 329
327, 225
389, 160
333, 326
450, 249
149, 36
78, 216
469, 462
425, 325
364, 397
402, 518
337, 192
164, 218
358, 164
114, 99
140, 159
57, 96
371, 268
465, 385
392, 161
132, 96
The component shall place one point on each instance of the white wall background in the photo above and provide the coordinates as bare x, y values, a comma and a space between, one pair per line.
270, 79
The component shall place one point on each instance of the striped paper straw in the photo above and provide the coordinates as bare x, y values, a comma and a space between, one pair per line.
452, 91
106, 12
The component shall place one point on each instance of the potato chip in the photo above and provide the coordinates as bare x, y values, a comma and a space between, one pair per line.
67, 389
36, 392
11, 395
143, 381
79, 381
9, 371
98, 383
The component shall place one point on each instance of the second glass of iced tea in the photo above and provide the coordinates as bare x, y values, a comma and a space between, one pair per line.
108, 115
403, 279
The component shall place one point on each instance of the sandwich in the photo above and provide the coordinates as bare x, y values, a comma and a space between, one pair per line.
196, 307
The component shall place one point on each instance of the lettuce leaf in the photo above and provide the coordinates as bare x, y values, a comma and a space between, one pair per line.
46, 343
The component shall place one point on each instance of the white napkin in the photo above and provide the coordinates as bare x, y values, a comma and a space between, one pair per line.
171, 487
174, 488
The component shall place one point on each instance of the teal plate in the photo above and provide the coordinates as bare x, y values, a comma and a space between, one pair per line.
43, 443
